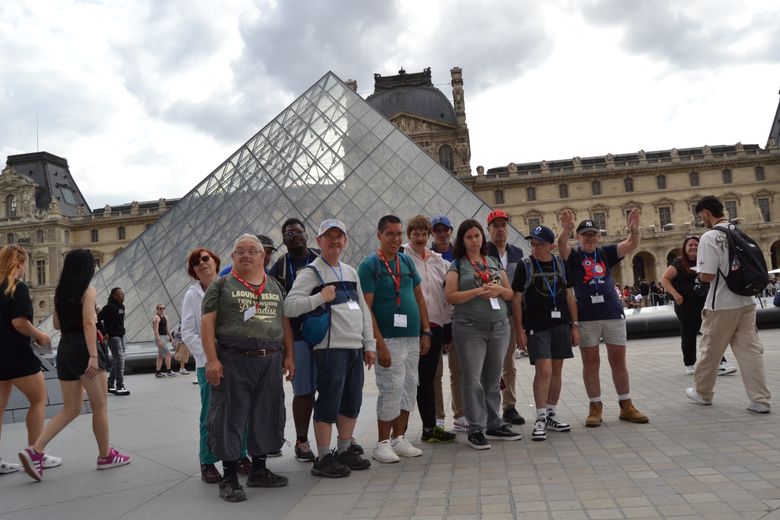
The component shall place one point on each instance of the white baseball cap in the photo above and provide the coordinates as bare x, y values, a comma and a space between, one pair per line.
331, 223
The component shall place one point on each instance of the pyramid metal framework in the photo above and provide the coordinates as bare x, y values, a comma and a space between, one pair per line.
328, 154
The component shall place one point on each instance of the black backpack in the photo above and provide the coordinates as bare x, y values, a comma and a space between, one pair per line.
747, 274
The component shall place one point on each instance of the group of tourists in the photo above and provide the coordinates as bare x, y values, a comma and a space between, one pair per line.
319, 323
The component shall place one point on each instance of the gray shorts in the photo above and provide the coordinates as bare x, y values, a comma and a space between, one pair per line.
554, 343
613, 332
166, 348
397, 384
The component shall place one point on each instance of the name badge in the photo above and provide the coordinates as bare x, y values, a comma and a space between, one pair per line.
399, 320
494, 304
251, 311
555, 314
597, 298
353, 306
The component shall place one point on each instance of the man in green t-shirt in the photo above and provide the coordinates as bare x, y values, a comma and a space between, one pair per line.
392, 290
248, 346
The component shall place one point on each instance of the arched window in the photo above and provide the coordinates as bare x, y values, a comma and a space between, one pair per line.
121, 232
694, 176
445, 157
563, 191
39, 236
94, 235
595, 188
499, 194
628, 184
66, 237
660, 181
10, 206
530, 193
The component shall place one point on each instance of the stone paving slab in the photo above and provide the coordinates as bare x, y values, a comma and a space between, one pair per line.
690, 461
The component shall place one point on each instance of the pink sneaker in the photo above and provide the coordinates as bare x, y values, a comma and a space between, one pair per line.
32, 462
112, 460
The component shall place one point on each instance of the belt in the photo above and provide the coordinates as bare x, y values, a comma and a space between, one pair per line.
254, 352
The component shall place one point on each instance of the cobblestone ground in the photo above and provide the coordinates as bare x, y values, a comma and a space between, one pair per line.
690, 461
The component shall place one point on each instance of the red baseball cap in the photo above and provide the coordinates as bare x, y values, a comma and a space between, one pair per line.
497, 213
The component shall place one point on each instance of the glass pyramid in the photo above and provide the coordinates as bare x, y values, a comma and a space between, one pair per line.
329, 154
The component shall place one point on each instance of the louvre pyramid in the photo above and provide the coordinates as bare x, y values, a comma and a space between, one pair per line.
328, 154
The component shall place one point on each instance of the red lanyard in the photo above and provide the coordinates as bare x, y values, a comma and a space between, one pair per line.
257, 293
396, 277
482, 274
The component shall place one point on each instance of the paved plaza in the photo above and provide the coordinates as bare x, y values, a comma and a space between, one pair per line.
690, 461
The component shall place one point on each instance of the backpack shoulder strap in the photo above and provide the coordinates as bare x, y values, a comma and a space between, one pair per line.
528, 272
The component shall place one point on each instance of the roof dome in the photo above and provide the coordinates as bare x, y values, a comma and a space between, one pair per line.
428, 102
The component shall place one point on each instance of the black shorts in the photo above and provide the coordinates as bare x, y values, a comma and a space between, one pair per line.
19, 362
554, 343
73, 356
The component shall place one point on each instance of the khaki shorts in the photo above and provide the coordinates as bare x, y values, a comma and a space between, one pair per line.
613, 332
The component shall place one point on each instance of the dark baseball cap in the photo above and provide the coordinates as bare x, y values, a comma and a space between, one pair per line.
266, 242
543, 234
587, 225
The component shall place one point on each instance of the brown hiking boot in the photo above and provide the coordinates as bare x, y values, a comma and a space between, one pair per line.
631, 414
594, 415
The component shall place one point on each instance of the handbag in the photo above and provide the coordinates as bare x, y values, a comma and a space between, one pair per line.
315, 324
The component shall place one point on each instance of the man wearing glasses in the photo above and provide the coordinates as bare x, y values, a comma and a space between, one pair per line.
248, 346
285, 271
163, 340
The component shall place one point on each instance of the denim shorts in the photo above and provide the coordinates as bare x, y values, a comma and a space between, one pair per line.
339, 383
305, 380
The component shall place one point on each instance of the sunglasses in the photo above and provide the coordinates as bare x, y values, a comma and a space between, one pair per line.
202, 260
160, 308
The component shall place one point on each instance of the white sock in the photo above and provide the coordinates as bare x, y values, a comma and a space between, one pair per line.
541, 413
623, 397
596, 399
551, 409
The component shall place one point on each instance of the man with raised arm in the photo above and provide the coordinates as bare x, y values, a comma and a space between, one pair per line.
599, 310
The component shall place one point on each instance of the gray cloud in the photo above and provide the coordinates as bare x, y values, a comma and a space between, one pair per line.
662, 29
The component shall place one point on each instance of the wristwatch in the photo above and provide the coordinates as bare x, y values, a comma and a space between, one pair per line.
577, 323
426, 333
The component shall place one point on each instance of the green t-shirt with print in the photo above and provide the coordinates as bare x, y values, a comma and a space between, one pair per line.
231, 300
477, 309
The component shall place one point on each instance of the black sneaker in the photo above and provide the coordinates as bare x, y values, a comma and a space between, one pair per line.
355, 447
158, 375
170, 373
111, 388
512, 416
353, 460
503, 433
231, 491
121, 390
557, 425
274, 454
329, 467
540, 430
478, 441
437, 435
266, 478
303, 452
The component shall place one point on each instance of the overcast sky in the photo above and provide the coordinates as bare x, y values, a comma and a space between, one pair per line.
146, 97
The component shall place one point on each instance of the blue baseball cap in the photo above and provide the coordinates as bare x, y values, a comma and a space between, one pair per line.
543, 234
441, 219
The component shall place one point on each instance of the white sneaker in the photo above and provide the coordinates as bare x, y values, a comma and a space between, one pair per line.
689, 370
694, 395
195, 381
460, 424
8, 467
726, 370
757, 407
383, 452
404, 448
50, 461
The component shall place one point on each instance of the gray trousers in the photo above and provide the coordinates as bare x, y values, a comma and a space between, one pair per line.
250, 398
481, 347
116, 344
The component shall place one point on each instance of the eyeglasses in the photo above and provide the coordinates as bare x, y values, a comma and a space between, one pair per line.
160, 308
248, 252
202, 260
293, 234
